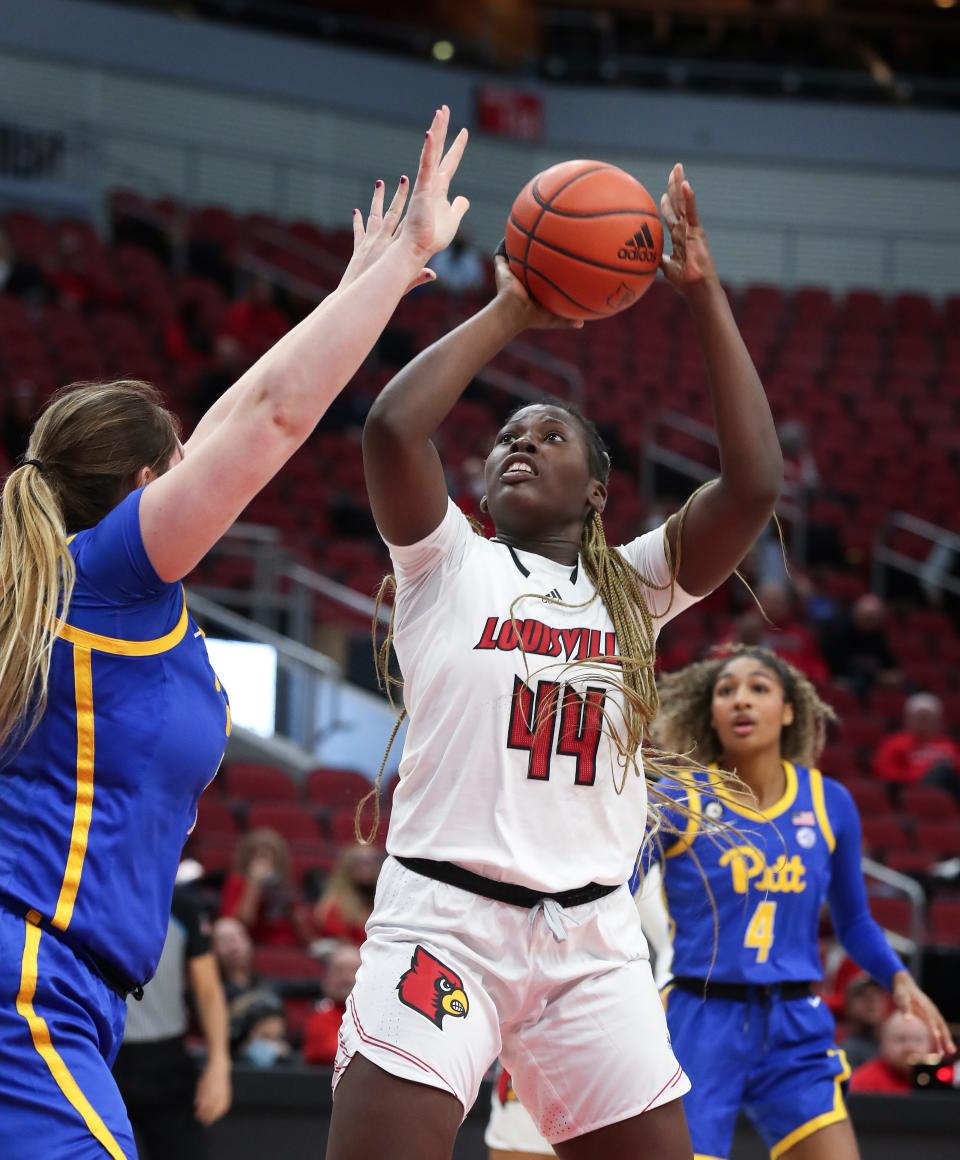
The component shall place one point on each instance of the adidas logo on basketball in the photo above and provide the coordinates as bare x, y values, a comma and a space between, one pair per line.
639, 248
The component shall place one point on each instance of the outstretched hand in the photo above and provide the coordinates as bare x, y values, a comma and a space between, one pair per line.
691, 262
913, 1002
431, 222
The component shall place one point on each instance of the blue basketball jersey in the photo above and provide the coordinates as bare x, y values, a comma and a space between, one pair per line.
95, 807
768, 874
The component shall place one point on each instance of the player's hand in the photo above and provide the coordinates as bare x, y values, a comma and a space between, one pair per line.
513, 295
372, 239
214, 1093
261, 868
691, 263
432, 220
913, 1002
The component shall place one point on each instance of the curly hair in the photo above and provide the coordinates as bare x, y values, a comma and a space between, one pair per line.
684, 722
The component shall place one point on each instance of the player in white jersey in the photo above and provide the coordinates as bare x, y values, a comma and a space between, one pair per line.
503, 924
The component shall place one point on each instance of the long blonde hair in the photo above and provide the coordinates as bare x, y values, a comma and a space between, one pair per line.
84, 455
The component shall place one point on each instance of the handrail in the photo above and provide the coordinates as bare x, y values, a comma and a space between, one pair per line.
348, 597
932, 572
911, 946
292, 650
560, 367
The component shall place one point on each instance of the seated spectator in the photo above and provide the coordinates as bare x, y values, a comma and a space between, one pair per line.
227, 364
185, 339
345, 905
18, 277
255, 320
866, 1008
459, 268
857, 649
260, 893
904, 1041
782, 630
322, 1027
921, 750
233, 948
77, 286
19, 414
259, 1030
800, 474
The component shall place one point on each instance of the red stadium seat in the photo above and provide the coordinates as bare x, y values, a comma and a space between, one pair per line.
928, 803
892, 913
943, 926
215, 817
913, 862
343, 832
941, 839
291, 821
871, 797
336, 788
883, 834
286, 963
253, 782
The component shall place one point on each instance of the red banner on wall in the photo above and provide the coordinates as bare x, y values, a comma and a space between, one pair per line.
507, 112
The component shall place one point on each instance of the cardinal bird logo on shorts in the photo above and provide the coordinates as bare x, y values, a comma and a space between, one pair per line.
432, 989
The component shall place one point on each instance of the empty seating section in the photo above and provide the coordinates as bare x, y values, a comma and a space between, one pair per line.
875, 380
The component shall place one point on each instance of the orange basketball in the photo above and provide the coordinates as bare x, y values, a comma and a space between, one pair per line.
585, 239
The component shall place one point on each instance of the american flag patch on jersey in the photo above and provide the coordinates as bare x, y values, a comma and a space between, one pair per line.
804, 818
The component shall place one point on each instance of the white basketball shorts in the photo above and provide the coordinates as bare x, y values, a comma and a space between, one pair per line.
450, 980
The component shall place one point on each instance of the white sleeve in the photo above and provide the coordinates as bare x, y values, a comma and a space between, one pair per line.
649, 555
444, 547
655, 922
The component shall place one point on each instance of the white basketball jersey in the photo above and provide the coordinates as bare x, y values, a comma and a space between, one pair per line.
508, 767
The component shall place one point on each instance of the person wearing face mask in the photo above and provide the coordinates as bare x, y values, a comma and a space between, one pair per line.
747, 869
345, 905
261, 1031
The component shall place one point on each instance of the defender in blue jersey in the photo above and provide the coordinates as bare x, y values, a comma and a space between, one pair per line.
111, 718
744, 1016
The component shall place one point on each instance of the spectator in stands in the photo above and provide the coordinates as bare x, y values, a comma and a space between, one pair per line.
866, 1008
76, 284
260, 892
169, 1105
18, 277
228, 363
460, 269
186, 341
323, 1025
233, 948
857, 648
921, 750
255, 320
780, 629
345, 905
800, 473
904, 1041
19, 414
260, 1030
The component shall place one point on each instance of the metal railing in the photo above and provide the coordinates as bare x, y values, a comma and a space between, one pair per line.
933, 573
655, 455
308, 686
910, 946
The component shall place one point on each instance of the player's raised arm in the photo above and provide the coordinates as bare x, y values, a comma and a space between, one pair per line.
404, 477
725, 518
273, 408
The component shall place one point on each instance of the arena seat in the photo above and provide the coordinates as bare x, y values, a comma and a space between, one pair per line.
892, 913
252, 782
881, 835
291, 821
286, 964
943, 927
928, 803
335, 788
940, 839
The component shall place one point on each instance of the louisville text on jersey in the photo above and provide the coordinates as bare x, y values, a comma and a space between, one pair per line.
533, 636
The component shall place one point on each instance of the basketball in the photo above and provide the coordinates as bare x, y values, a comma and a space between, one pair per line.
585, 239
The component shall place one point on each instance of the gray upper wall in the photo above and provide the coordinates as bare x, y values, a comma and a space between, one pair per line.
589, 120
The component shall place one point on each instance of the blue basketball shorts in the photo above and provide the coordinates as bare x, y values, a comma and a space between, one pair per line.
60, 1028
776, 1060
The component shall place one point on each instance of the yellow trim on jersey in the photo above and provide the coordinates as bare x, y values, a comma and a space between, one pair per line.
779, 807
704, 1156
834, 1116
40, 1034
126, 648
820, 809
83, 803
693, 825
